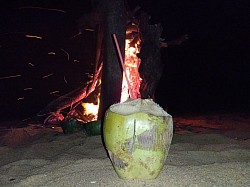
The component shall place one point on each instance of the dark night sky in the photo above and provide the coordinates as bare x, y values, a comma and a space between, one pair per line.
207, 73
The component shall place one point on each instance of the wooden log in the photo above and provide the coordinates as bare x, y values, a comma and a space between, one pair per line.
151, 66
114, 23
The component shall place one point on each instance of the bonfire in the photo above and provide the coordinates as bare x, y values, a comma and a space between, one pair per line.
141, 70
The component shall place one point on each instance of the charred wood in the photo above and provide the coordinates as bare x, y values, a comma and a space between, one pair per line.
115, 23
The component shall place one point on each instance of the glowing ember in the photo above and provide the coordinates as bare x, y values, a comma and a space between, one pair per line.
90, 109
132, 63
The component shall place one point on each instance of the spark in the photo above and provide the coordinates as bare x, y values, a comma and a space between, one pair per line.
27, 88
44, 114
8, 77
66, 53
33, 36
26, 119
88, 29
54, 92
77, 61
76, 35
31, 64
40, 8
20, 98
51, 53
46, 76
64, 78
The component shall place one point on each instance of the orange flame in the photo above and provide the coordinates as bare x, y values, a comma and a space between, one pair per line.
132, 63
91, 109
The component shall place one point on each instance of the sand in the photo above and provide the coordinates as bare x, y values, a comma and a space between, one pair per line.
204, 152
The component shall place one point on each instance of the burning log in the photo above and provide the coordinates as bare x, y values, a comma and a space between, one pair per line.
151, 66
92, 21
53, 110
142, 40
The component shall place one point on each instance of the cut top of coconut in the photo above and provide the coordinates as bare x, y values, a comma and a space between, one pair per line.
132, 106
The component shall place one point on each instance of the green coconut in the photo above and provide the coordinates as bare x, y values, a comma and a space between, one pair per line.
137, 135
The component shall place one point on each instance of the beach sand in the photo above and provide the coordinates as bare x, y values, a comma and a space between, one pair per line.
207, 150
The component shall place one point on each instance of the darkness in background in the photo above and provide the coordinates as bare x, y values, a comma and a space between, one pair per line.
207, 73
17, 51
211, 71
